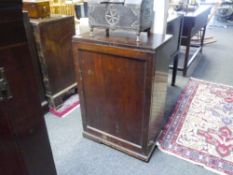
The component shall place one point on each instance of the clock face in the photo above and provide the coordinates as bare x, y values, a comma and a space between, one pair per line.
112, 16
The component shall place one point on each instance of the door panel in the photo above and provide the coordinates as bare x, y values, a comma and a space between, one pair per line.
10, 162
113, 80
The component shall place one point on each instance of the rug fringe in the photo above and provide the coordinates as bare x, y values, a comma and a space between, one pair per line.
188, 160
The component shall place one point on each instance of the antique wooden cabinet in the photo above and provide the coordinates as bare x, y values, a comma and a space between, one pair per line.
53, 38
122, 86
24, 143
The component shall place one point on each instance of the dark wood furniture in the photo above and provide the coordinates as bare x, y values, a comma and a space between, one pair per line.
122, 85
193, 23
37, 9
24, 144
174, 27
36, 63
53, 37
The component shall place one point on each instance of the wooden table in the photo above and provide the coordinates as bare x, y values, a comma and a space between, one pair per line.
122, 86
174, 27
193, 23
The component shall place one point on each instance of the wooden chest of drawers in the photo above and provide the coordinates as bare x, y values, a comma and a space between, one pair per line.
38, 9
122, 86
53, 37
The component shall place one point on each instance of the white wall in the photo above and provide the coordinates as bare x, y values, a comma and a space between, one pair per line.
160, 18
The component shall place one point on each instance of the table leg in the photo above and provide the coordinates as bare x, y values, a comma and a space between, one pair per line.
186, 57
174, 69
202, 38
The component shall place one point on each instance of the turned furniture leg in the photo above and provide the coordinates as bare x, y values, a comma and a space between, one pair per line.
107, 32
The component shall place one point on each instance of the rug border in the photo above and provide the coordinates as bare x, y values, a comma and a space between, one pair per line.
188, 160
66, 112
175, 109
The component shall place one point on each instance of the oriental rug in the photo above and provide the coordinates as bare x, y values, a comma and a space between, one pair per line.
200, 129
68, 106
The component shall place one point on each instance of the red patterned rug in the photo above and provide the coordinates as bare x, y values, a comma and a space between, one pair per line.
68, 106
200, 129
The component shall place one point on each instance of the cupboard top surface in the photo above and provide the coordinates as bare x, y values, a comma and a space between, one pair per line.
52, 17
125, 39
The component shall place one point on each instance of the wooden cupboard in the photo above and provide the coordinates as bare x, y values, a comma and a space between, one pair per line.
53, 38
122, 85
